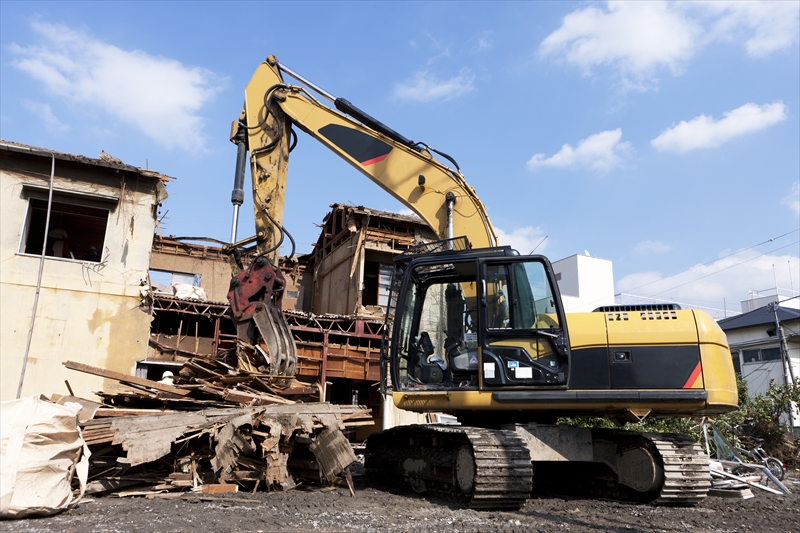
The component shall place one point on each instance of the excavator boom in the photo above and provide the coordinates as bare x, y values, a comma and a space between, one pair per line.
405, 169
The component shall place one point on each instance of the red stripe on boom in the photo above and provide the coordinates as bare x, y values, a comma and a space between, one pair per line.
693, 377
374, 160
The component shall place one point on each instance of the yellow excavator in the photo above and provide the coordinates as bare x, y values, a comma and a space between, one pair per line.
479, 331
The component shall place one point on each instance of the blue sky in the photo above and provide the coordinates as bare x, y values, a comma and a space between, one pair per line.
662, 136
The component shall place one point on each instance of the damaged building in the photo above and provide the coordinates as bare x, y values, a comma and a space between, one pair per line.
334, 302
76, 240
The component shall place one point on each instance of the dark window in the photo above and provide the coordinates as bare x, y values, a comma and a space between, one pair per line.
76, 231
751, 356
764, 354
736, 366
377, 281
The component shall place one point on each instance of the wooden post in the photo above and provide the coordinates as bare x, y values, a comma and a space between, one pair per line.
178, 342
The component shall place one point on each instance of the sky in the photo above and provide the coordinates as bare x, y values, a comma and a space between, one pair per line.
662, 136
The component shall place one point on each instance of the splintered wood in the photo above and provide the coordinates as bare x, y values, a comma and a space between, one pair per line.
217, 426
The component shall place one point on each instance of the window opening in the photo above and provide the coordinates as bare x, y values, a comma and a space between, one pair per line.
76, 232
162, 281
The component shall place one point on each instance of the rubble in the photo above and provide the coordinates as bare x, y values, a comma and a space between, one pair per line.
218, 427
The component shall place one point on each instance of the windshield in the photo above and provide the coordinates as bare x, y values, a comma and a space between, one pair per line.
518, 296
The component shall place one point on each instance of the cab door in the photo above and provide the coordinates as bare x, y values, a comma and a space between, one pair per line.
523, 334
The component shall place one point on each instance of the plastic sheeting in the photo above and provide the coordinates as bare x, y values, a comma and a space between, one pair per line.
41, 449
188, 292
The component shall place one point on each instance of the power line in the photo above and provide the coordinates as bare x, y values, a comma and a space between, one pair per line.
724, 269
715, 260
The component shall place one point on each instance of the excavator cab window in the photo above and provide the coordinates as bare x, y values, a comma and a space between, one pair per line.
458, 320
524, 342
437, 325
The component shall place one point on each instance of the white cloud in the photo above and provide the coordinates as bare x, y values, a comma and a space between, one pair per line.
483, 42
523, 240
652, 247
705, 132
765, 27
727, 279
601, 151
637, 39
632, 37
160, 96
427, 87
45, 114
793, 198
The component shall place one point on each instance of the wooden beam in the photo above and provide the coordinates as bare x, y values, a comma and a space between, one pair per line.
126, 378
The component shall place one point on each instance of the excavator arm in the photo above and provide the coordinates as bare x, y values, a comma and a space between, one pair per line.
405, 169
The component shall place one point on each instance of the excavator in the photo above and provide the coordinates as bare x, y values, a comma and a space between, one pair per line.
478, 331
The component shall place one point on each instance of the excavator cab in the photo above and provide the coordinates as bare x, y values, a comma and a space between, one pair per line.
478, 320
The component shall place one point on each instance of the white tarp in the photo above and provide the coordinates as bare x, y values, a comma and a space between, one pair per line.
41, 448
188, 292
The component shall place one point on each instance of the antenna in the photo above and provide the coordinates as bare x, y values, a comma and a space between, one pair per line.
774, 278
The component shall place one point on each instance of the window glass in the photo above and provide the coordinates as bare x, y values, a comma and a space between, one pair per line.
751, 356
436, 324
496, 298
519, 296
75, 232
533, 283
771, 354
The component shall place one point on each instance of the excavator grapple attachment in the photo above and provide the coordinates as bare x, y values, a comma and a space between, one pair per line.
255, 296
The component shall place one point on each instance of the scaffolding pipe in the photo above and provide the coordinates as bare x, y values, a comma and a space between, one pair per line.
41, 265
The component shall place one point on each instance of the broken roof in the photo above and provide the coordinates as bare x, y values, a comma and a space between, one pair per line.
105, 160
758, 317
361, 210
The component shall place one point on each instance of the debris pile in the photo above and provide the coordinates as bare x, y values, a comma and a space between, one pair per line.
731, 476
216, 428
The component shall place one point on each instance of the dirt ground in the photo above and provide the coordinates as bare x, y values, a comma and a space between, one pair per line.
380, 510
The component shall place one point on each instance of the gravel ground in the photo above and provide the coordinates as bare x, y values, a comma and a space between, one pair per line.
386, 511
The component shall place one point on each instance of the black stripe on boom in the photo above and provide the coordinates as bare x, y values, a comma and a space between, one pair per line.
354, 143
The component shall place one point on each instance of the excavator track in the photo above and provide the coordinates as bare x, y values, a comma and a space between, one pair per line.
658, 468
687, 477
480, 468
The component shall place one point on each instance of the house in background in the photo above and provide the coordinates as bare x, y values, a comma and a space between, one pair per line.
756, 349
100, 226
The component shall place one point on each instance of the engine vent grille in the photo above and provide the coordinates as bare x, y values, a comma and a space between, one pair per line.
637, 308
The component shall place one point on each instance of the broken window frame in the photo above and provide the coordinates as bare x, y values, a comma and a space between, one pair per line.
70, 200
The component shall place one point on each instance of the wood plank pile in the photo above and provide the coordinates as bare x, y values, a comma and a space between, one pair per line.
201, 383
216, 429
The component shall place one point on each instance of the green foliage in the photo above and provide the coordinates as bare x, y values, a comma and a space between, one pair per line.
767, 411
762, 415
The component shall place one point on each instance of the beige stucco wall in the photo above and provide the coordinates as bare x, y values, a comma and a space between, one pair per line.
87, 312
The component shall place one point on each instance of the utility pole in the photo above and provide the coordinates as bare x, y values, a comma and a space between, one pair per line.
787, 363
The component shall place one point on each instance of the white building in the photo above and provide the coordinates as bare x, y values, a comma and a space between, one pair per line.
585, 282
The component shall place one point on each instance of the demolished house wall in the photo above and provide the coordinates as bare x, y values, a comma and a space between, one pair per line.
207, 262
88, 307
353, 244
